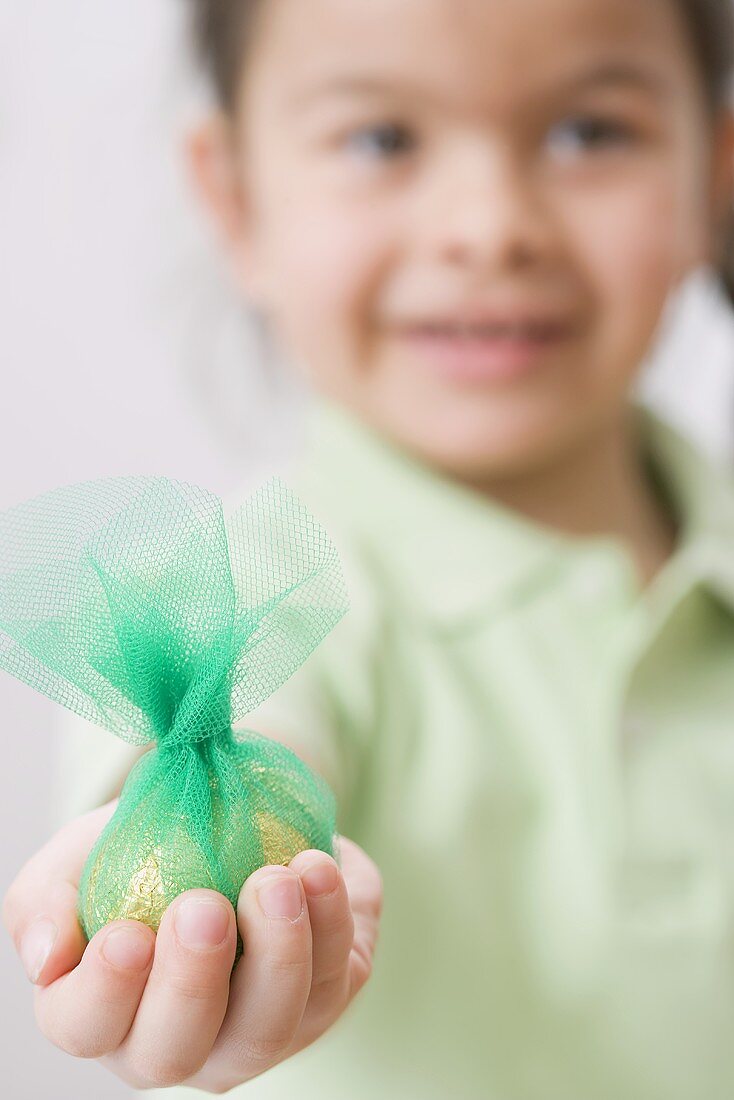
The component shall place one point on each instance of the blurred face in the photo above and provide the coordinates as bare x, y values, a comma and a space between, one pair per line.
463, 217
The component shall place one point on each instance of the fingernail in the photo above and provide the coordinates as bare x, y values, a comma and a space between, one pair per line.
280, 896
36, 945
201, 922
127, 948
321, 878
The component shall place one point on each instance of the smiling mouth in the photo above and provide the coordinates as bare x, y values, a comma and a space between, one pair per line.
497, 352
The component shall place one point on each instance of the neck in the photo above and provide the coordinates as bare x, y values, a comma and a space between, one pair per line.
598, 488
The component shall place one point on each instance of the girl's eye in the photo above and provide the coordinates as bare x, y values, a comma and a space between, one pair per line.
385, 140
589, 132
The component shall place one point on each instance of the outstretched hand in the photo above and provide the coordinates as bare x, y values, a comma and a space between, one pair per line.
166, 1008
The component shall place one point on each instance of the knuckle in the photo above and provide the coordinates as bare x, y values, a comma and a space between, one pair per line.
332, 976
164, 1072
75, 1042
289, 964
87, 1048
195, 987
342, 923
259, 1052
76, 1036
218, 1089
289, 953
163, 1075
360, 970
75, 1046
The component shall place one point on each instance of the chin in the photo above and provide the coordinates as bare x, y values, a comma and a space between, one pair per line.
489, 447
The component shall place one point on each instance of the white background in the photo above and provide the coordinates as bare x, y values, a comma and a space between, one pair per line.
123, 350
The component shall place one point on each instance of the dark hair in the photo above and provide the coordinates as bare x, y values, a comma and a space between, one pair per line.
224, 30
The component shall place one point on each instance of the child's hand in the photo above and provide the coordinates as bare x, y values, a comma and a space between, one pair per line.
160, 1012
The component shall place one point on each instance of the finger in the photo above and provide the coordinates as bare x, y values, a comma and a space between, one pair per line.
185, 998
332, 929
40, 906
365, 889
271, 983
89, 1011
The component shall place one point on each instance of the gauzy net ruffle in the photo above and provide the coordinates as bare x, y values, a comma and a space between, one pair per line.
134, 602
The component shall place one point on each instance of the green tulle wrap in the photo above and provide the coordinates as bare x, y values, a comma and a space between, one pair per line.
134, 602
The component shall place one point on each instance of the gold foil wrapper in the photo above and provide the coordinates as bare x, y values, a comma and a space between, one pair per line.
144, 898
280, 841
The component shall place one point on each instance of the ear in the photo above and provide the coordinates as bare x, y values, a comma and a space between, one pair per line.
210, 156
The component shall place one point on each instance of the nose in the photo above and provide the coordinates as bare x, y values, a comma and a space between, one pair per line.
483, 208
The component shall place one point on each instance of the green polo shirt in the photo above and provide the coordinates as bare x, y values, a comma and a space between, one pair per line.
539, 756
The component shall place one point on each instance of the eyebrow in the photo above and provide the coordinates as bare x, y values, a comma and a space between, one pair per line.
611, 74
623, 74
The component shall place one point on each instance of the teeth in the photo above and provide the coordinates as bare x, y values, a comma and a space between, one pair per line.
510, 331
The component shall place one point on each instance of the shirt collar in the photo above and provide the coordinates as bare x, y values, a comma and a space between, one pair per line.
702, 493
455, 554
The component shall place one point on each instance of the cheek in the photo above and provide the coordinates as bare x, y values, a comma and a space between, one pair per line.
634, 246
325, 263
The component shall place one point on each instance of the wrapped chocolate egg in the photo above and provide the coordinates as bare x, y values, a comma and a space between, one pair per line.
135, 603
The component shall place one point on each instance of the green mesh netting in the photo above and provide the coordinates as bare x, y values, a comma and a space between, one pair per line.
135, 603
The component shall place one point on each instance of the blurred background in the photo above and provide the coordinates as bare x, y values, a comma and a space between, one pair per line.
124, 350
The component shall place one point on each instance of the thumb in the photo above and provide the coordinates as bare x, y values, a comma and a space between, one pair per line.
40, 907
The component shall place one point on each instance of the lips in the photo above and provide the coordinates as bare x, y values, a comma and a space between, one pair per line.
498, 350
507, 330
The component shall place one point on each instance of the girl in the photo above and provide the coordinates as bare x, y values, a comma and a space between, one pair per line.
462, 220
